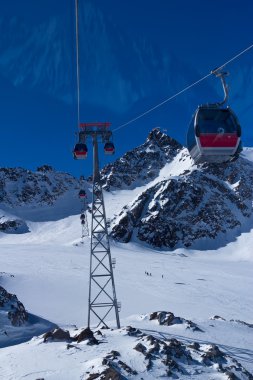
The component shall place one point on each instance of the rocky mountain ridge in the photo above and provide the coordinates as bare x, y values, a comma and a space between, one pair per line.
142, 164
41, 195
22, 187
198, 203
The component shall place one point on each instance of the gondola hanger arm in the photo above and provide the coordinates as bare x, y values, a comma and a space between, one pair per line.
221, 74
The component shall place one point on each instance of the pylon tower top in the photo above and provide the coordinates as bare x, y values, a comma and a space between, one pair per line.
97, 125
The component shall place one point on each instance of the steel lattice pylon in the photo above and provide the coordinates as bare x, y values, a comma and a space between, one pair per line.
102, 293
85, 227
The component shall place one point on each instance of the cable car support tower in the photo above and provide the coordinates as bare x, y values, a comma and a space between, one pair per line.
102, 293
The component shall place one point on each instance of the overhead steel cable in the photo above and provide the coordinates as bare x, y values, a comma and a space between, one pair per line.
77, 65
183, 90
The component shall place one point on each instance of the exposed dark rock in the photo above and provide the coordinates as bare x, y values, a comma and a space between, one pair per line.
57, 334
92, 341
213, 355
108, 374
132, 331
140, 348
153, 316
15, 310
111, 374
127, 368
155, 349
217, 317
13, 226
105, 361
72, 346
93, 376
113, 355
194, 346
45, 168
86, 334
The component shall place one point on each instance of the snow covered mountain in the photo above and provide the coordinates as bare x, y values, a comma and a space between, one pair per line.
170, 201
185, 314
182, 204
41, 195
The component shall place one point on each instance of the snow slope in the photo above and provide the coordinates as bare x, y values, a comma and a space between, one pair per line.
248, 153
51, 279
48, 269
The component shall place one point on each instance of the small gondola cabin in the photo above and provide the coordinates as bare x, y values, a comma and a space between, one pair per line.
82, 194
80, 151
109, 148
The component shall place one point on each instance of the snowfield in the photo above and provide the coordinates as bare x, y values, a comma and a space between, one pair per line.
51, 271
48, 268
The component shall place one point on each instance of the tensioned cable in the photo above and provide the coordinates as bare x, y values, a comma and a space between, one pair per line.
77, 66
180, 92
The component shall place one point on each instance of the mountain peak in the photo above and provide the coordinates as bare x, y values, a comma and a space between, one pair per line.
160, 139
142, 164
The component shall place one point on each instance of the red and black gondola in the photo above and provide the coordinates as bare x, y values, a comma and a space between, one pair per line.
80, 151
109, 148
82, 194
214, 135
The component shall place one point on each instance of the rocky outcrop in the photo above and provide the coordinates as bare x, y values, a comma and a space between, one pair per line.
86, 334
142, 164
171, 358
11, 226
167, 318
11, 307
57, 334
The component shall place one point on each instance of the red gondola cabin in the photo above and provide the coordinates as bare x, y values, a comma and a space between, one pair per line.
80, 151
82, 194
214, 135
109, 148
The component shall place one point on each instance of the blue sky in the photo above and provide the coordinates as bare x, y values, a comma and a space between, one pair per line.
133, 55
201, 31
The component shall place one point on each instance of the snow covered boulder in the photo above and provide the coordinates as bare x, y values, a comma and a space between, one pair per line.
168, 319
